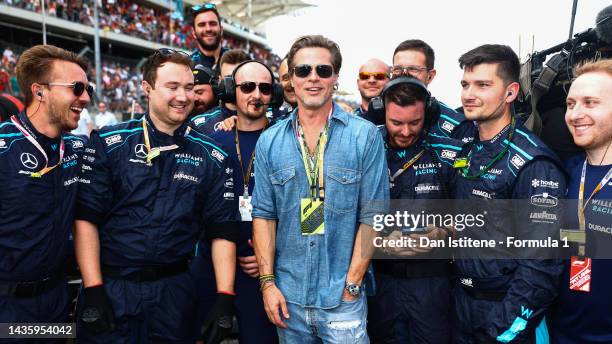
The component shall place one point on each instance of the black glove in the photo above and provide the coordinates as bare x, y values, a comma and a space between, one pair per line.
218, 324
95, 310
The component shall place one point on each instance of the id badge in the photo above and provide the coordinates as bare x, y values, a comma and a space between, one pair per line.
245, 207
580, 274
311, 217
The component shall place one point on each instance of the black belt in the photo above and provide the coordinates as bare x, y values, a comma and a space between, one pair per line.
146, 274
496, 296
414, 268
31, 288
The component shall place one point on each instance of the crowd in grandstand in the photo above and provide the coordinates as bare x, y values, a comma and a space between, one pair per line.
137, 20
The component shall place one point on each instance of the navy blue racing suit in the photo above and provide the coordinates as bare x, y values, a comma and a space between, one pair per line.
208, 122
505, 299
36, 218
412, 303
149, 218
207, 61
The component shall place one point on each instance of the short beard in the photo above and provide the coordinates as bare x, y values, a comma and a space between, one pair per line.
210, 47
254, 115
56, 118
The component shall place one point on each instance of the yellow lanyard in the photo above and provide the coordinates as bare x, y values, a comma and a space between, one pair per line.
317, 169
246, 178
153, 152
581, 203
407, 165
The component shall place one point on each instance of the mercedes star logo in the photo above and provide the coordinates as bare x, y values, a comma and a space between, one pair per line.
29, 160
140, 151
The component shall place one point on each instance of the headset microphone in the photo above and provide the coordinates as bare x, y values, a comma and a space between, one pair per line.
259, 103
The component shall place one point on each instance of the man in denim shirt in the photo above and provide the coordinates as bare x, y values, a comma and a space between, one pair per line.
312, 227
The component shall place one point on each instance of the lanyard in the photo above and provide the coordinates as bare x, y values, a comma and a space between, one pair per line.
581, 203
153, 152
314, 168
35, 143
245, 177
407, 165
464, 164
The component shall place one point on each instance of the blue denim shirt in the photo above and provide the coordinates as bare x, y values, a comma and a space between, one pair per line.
311, 270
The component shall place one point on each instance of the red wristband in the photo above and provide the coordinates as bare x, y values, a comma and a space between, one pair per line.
226, 292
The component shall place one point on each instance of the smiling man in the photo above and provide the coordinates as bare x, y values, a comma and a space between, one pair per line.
582, 314
373, 75
318, 175
39, 165
503, 299
149, 189
208, 33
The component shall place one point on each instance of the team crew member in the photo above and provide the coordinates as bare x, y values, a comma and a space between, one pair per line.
290, 102
373, 75
208, 33
416, 58
205, 98
412, 303
149, 188
209, 122
254, 88
39, 166
318, 176
505, 299
582, 314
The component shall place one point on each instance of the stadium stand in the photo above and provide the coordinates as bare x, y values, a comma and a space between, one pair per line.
129, 30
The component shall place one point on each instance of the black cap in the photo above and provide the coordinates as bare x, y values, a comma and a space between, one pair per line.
203, 75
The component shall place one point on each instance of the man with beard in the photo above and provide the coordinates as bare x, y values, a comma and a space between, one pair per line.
418, 172
39, 166
210, 121
205, 98
416, 58
149, 190
208, 33
373, 75
254, 88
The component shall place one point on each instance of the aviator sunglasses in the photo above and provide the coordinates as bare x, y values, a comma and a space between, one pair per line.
249, 86
323, 71
377, 76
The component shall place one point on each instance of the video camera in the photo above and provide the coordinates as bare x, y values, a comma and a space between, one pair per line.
544, 86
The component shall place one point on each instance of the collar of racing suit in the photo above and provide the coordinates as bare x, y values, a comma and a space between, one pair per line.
161, 138
489, 148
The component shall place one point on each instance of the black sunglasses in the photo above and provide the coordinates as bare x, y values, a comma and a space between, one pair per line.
323, 71
167, 52
77, 87
249, 86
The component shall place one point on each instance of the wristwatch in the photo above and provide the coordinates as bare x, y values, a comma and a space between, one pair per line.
353, 288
